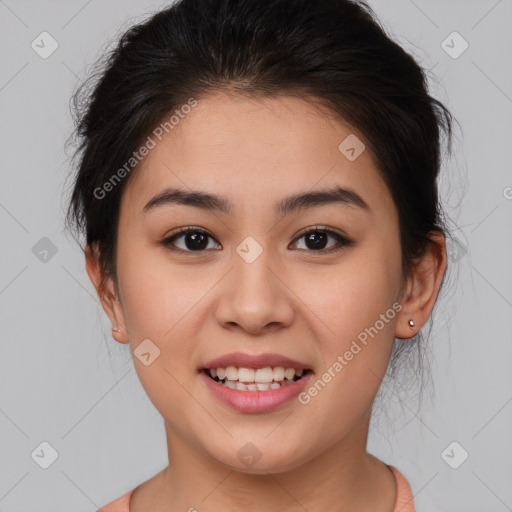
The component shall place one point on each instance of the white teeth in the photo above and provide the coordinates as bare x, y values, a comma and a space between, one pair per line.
245, 374
255, 386
279, 373
231, 373
289, 373
265, 375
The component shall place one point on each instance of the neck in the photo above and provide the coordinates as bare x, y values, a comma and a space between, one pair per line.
343, 478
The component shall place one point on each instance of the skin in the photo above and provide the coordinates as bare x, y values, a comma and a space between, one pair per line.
291, 300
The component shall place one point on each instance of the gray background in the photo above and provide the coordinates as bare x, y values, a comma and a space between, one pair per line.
64, 381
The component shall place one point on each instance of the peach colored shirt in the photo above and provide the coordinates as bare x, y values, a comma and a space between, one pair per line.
404, 498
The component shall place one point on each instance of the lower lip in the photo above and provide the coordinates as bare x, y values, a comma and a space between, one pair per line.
255, 401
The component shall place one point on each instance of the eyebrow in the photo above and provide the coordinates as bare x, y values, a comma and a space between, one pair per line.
302, 200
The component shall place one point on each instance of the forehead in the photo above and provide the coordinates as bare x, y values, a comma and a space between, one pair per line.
254, 151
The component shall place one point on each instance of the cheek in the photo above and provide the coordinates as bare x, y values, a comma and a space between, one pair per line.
156, 295
358, 306
354, 348
159, 302
353, 295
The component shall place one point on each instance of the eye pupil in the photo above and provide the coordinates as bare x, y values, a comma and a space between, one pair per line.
197, 241
317, 239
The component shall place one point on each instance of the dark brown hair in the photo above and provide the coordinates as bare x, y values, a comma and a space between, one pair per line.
332, 50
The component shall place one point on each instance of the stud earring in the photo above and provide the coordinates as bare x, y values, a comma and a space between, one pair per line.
116, 329
411, 323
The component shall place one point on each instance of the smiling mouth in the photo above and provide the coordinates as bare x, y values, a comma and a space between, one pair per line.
255, 379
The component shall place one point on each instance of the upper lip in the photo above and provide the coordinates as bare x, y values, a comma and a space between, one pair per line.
240, 359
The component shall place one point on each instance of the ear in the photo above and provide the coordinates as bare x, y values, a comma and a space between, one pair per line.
107, 293
422, 287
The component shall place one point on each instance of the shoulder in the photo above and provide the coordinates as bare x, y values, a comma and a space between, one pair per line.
119, 505
404, 497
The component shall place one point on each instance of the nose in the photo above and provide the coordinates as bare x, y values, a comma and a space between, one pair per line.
254, 297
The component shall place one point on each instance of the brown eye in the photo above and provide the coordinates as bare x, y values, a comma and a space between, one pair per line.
316, 240
197, 240
194, 240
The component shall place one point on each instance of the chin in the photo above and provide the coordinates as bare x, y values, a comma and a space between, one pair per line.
251, 460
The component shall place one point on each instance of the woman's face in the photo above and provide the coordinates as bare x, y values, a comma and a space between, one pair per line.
256, 283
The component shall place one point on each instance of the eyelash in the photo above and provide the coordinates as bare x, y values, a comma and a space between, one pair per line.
342, 240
